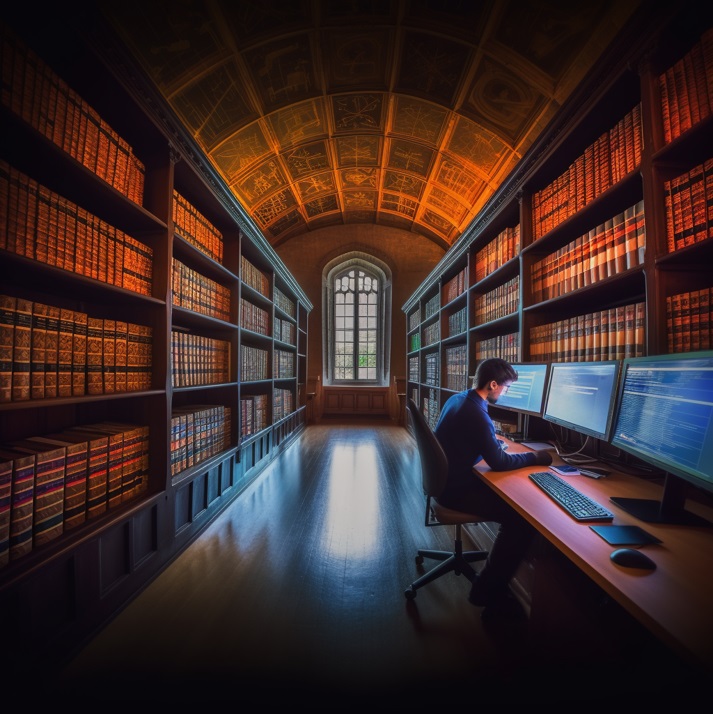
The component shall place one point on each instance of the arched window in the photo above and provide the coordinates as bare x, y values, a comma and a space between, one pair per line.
357, 312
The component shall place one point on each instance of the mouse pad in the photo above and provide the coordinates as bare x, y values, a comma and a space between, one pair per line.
625, 535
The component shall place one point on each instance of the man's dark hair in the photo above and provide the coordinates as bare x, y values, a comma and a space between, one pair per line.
496, 369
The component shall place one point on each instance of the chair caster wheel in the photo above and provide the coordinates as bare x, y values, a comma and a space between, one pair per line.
419, 559
410, 593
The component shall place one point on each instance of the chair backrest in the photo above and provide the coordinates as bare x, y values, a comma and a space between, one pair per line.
434, 462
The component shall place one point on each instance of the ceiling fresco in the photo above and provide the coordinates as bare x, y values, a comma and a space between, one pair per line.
402, 113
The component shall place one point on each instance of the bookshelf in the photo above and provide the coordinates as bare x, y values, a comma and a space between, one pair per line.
154, 346
598, 246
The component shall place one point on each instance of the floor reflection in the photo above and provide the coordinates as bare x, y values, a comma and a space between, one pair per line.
351, 519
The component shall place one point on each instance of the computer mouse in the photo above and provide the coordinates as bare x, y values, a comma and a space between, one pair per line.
632, 558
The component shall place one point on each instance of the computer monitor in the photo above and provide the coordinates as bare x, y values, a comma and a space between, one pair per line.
580, 396
664, 417
526, 394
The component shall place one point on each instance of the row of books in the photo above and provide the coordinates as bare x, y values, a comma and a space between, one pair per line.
456, 286
430, 408
253, 414
432, 306
53, 483
254, 277
431, 369
458, 322
43, 100
687, 89
505, 346
430, 334
195, 228
613, 333
42, 225
499, 302
254, 363
197, 433
504, 247
414, 319
283, 403
198, 360
285, 331
196, 292
688, 320
254, 318
614, 155
47, 352
413, 370
283, 364
606, 250
415, 342
689, 207
283, 302
456, 368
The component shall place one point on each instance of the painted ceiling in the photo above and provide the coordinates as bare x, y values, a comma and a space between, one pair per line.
402, 113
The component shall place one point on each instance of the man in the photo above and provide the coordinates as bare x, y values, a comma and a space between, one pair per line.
467, 435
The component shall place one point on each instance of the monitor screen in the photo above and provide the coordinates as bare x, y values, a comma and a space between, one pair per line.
580, 396
527, 393
665, 414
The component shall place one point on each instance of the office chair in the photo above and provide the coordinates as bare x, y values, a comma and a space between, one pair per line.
434, 472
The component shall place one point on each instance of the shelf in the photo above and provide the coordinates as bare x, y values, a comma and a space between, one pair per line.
157, 501
617, 111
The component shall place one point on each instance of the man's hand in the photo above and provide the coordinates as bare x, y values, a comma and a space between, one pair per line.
543, 458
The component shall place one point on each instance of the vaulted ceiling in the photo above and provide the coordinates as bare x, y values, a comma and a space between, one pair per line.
403, 113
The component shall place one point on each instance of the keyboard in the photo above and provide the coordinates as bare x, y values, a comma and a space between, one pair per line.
579, 506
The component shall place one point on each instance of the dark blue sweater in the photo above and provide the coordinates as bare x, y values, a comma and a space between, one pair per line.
467, 435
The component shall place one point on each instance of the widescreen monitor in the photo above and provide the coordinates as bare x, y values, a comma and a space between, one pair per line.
526, 395
580, 396
664, 417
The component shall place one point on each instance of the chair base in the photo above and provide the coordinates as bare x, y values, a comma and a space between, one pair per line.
457, 562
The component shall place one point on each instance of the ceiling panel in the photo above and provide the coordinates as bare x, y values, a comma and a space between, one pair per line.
406, 113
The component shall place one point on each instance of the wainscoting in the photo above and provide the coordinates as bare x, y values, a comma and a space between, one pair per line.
361, 401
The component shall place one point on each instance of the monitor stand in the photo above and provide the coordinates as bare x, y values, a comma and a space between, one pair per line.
670, 509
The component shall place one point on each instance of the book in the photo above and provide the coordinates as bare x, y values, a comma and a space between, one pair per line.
7, 342
6, 468
79, 354
115, 467
109, 356
22, 346
97, 478
620, 243
704, 307
630, 238
38, 350
21, 500
120, 355
94, 367
75, 479
48, 510
52, 319
132, 457
640, 329
64, 352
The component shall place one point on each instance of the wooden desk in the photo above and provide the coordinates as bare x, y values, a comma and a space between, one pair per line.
675, 601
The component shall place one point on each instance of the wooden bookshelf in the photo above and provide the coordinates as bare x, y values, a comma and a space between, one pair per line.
598, 246
133, 286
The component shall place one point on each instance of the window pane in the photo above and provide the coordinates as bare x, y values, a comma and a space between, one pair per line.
355, 328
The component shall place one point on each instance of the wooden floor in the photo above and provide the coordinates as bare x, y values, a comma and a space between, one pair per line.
295, 593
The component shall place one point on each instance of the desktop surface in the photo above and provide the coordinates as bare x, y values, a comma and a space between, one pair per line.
674, 600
